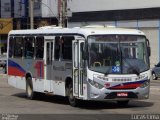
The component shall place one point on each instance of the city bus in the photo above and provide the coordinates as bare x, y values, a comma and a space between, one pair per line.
98, 63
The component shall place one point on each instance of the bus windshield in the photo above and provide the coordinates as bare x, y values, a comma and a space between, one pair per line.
118, 54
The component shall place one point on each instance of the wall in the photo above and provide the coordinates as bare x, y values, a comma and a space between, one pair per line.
49, 8
19, 8
37, 8
5, 8
98, 5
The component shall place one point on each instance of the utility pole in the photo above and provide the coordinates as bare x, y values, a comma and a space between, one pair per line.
62, 12
60, 6
31, 4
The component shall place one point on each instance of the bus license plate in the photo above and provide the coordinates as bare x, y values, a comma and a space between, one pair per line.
122, 94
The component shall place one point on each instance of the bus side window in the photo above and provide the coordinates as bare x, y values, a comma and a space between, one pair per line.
63, 48
11, 47
18, 46
29, 47
39, 47
67, 47
57, 48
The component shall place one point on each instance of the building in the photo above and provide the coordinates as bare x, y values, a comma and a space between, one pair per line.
5, 24
142, 14
45, 13
14, 14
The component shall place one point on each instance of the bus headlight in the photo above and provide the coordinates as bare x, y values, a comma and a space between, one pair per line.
95, 84
145, 84
141, 77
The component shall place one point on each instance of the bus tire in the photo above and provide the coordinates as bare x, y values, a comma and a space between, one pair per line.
123, 103
72, 100
29, 89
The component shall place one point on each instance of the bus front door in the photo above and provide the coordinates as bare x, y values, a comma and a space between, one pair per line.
77, 48
48, 64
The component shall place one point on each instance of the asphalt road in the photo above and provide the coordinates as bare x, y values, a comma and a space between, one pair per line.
14, 101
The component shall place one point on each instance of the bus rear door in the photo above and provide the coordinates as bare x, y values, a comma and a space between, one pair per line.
48, 49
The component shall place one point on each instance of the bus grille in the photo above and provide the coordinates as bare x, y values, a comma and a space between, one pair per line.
121, 79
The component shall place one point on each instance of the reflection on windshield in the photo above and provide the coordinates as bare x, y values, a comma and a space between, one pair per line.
118, 54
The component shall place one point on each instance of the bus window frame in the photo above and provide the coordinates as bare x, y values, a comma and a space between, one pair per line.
55, 53
35, 49
14, 43
32, 44
61, 52
11, 38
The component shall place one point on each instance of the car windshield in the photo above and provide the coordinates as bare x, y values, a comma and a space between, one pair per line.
117, 54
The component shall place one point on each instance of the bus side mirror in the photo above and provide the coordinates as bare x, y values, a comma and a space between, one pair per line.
149, 51
148, 48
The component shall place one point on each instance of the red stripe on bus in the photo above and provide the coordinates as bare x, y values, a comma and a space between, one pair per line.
16, 72
128, 86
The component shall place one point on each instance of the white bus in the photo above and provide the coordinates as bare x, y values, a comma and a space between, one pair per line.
90, 63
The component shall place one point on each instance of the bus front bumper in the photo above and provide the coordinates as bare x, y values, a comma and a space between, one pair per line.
106, 94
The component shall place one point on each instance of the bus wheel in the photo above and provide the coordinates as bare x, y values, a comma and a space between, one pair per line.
72, 100
29, 89
123, 103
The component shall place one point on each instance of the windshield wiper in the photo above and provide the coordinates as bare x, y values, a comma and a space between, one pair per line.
106, 74
134, 70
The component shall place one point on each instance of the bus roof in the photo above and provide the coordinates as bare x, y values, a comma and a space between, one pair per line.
85, 31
